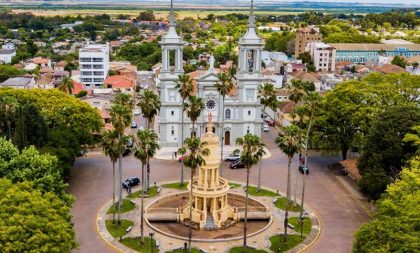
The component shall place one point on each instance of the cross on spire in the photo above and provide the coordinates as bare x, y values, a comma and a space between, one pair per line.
172, 15
251, 20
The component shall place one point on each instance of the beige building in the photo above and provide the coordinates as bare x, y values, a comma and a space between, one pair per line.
323, 56
305, 36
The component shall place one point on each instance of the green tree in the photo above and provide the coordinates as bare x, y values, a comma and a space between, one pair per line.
33, 221
66, 85
146, 147
185, 89
252, 152
193, 107
224, 85
194, 151
395, 226
399, 61
146, 15
290, 141
8, 71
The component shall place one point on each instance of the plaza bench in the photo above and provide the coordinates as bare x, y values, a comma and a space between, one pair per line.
158, 190
290, 226
128, 229
274, 200
132, 202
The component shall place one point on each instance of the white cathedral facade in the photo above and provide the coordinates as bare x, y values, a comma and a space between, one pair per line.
242, 111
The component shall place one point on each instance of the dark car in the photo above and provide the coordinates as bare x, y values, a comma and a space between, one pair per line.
237, 165
130, 182
126, 152
271, 123
302, 169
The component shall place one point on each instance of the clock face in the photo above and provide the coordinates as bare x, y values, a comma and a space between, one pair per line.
210, 104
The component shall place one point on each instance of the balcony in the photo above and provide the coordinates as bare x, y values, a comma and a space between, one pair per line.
223, 184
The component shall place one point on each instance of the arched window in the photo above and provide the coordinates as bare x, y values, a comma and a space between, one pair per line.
227, 114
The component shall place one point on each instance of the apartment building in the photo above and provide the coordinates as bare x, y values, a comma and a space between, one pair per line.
93, 65
323, 56
305, 36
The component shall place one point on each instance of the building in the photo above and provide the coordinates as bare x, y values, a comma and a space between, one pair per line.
6, 55
242, 111
42, 62
120, 84
19, 82
93, 65
370, 53
323, 56
305, 36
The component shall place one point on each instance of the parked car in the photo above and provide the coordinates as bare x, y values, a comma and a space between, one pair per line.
130, 182
302, 169
267, 118
266, 128
137, 112
237, 165
126, 152
232, 157
133, 124
271, 123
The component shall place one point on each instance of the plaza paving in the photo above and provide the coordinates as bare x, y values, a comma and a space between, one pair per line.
328, 194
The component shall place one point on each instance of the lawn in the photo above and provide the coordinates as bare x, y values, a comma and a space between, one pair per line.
234, 185
250, 250
281, 204
137, 194
307, 225
126, 207
134, 243
278, 245
261, 192
118, 230
193, 250
178, 186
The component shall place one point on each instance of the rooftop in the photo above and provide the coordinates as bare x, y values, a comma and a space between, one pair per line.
374, 47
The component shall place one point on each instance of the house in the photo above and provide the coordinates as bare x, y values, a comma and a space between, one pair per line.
93, 65
120, 83
323, 56
30, 66
307, 77
204, 57
6, 55
294, 67
283, 114
19, 82
390, 68
60, 65
45, 81
42, 62
58, 77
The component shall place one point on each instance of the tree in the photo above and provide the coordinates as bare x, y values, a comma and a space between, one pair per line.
8, 71
66, 85
8, 106
31, 47
290, 141
33, 221
252, 152
298, 89
384, 151
120, 118
146, 147
124, 100
395, 226
112, 148
146, 15
185, 89
399, 61
224, 86
150, 105
194, 151
193, 108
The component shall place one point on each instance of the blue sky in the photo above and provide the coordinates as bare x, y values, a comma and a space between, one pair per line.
364, 1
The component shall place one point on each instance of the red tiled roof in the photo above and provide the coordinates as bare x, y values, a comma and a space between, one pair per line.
390, 68
77, 87
40, 60
119, 81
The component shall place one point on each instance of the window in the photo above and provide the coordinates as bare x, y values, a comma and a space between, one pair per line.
172, 113
86, 73
98, 66
85, 59
98, 79
86, 79
86, 66
98, 59
98, 73
249, 113
210, 104
172, 131
247, 130
227, 114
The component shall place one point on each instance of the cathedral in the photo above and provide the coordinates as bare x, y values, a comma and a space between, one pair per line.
242, 112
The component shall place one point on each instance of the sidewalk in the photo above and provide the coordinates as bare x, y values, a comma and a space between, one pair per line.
167, 153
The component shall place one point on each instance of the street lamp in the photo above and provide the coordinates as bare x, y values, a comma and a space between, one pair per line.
151, 234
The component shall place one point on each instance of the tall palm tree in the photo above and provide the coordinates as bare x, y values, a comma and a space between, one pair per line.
194, 151
224, 86
111, 147
120, 118
146, 147
290, 141
66, 85
194, 106
298, 89
185, 89
267, 97
252, 152
124, 100
150, 105
8, 109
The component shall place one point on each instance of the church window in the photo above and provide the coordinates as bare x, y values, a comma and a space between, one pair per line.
227, 114
251, 55
210, 104
172, 113
249, 113
172, 131
247, 130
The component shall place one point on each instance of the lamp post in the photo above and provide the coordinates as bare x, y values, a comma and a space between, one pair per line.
151, 234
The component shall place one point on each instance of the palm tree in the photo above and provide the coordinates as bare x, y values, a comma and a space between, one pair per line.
298, 89
194, 107
111, 147
224, 86
8, 106
124, 100
252, 152
146, 147
193, 151
185, 89
267, 97
120, 118
290, 141
66, 85
150, 105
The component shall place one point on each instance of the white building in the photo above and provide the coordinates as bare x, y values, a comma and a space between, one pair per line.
93, 65
323, 56
7, 52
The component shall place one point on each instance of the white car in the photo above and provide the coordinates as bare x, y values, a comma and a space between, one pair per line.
266, 128
137, 112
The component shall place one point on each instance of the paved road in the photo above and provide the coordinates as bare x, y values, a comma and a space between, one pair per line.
339, 212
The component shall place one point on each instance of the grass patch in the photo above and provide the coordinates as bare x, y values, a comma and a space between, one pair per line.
177, 185
278, 244
134, 243
137, 194
281, 204
234, 185
307, 224
118, 230
250, 250
193, 250
127, 206
261, 192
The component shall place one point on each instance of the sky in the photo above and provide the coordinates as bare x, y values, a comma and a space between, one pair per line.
363, 1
